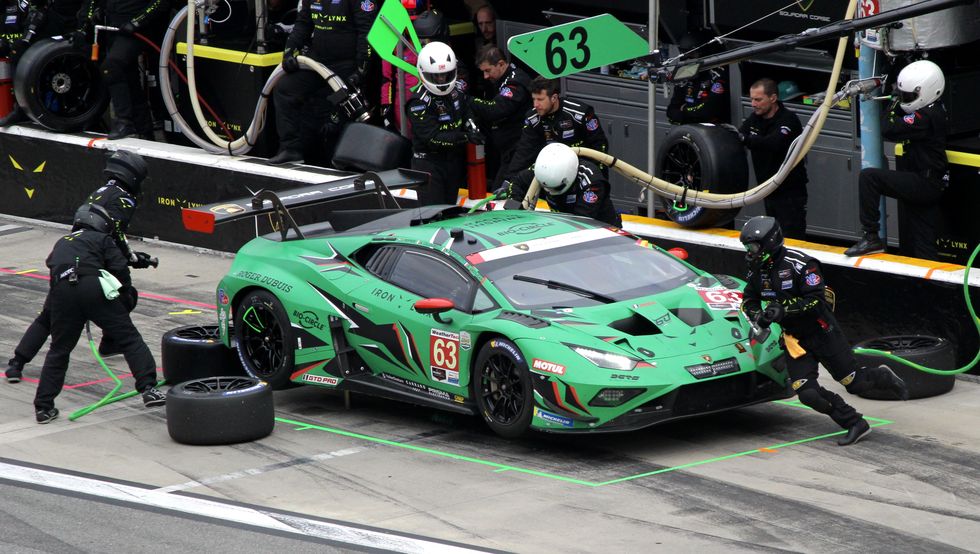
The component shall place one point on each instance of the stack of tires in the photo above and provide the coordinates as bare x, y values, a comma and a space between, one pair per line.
212, 400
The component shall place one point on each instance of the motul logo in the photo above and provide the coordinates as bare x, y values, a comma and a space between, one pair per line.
550, 367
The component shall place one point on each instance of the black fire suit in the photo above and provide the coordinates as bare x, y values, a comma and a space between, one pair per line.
120, 204
334, 33
704, 99
120, 67
76, 297
503, 117
919, 181
769, 140
795, 281
588, 195
573, 123
439, 142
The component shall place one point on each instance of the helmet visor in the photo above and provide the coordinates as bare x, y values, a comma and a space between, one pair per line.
440, 78
752, 250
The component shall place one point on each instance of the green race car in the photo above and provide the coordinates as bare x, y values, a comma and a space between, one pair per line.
532, 320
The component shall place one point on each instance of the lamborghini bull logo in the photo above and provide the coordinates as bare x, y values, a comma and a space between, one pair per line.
39, 169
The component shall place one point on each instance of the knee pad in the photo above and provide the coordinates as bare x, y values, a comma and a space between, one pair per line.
809, 395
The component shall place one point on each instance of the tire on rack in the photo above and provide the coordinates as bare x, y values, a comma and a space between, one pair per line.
195, 352
59, 86
502, 388
934, 352
706, 158
220, 410
265, 339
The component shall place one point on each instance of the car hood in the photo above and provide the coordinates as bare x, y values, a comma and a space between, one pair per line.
664, 325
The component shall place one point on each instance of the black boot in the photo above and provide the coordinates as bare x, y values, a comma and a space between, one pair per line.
855, 433
15, 370
122, 128
286, 156
15, 116
887, 380
869, 244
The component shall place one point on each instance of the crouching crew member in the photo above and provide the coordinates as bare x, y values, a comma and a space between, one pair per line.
793, 288
76, 296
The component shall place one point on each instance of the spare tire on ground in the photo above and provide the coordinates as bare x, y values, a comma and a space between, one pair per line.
705, 158
220, 410
195, 352
934, 352
59, 86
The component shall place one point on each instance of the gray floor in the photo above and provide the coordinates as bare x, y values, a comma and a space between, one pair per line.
763, 478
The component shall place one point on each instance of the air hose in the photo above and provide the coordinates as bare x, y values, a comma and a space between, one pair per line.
973, 317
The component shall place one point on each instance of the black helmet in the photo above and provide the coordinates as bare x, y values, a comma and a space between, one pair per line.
92, 216
762, 238
128, 168
430, 24
702, 40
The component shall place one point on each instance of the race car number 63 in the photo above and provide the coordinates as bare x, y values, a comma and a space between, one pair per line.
444, 353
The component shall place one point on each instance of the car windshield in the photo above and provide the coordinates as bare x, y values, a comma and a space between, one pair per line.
614, 267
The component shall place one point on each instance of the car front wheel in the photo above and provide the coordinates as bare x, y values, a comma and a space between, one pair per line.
265, 339
502, 388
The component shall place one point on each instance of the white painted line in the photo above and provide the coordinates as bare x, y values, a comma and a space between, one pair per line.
225, 512
259, 470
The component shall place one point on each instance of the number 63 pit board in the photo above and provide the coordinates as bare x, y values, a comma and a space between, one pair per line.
577, 46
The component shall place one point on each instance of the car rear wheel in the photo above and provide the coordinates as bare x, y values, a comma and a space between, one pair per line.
265, 338
502, 388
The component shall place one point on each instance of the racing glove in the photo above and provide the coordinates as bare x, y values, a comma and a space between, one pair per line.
356, 79
503, 192
142, 261
129, 297
773, 313
289, 62
129, 28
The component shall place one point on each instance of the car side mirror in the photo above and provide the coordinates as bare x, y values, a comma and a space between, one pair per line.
436, 307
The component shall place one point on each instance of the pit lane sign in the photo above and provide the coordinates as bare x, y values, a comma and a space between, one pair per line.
577, 46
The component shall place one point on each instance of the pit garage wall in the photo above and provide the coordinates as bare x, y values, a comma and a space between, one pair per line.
47, 176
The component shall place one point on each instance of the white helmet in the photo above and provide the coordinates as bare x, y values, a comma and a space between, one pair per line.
437, 68
920, 83
556, 168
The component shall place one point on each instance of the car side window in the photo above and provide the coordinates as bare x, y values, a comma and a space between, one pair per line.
429, 276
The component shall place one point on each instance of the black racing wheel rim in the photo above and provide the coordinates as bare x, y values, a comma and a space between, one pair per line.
219, 384
68, 85
502, 389
682, 166
262, 340
204, 332
903, 343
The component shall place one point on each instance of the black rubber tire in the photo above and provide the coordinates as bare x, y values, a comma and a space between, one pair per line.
934, 352
388, 150
708, 158
501, 375
195, 352
59, 86
220, 410
265, 339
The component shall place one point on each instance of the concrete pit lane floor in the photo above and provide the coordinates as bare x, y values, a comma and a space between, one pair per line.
390, 476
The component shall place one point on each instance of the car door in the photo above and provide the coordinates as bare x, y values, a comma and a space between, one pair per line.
434, 350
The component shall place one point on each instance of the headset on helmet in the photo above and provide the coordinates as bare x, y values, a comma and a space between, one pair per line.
919, 84
92, 216
556, 168
437, 68
128, 168
762, 238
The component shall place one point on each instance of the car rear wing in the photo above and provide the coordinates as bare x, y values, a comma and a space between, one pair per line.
202, 219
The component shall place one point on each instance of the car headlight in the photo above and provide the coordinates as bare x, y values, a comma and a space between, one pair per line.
607, 360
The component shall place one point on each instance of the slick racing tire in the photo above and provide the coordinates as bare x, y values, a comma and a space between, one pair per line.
502, 388
59, 86
388, 150
934, 352
705, 158
265, 338
195, 352
220, 410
